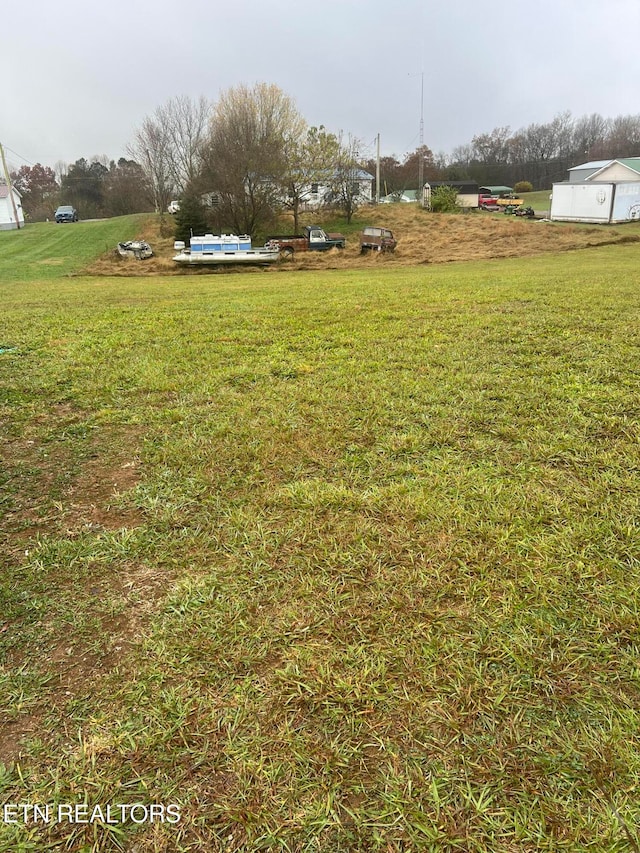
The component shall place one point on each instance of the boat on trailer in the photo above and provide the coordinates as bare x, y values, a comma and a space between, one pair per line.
213, 249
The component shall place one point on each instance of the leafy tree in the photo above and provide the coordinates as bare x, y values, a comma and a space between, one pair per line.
309, 162
126, 189
396, 176
39, 190
253, 139
390, 178
418, 167
83, 186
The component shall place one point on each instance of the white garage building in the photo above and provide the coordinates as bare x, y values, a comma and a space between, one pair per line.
602, 191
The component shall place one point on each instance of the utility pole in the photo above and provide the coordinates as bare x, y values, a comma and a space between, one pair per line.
9, 187
378, 171
421, 161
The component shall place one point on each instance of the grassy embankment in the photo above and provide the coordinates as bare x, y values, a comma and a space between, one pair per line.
538, 200
336, 560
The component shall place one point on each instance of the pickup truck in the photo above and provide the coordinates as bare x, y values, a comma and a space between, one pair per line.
314, 239
374, 239
488, 202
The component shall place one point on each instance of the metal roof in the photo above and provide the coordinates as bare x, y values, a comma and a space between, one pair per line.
630, 163
594, 164
497, 189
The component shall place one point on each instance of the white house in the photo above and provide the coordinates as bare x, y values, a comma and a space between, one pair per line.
319, 194
601, 191
7, 215
313, 196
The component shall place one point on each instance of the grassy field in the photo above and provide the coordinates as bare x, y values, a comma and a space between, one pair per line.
332, 560
538, 200
46, 250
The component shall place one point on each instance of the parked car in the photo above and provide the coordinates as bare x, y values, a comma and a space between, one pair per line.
66, 213
377, 240
174, 206
488, 202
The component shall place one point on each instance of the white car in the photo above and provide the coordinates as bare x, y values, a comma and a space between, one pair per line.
174, 206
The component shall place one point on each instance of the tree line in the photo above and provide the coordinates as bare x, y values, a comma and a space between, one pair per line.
96, 187
542, 153
538, 153
253, 155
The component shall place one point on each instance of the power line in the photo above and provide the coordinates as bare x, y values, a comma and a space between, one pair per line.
19, 155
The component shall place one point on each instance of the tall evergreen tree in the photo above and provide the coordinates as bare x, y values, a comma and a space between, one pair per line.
191, 219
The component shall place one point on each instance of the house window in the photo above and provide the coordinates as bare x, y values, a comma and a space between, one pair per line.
314, 189
355, 189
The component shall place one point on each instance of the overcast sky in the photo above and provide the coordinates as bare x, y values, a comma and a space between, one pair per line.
79, 76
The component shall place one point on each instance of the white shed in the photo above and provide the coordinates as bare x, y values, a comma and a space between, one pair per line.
466, 193
7, 216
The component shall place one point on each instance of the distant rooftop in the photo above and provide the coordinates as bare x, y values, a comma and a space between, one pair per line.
593, 164
631, 162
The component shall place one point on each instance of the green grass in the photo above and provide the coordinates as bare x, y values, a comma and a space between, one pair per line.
374, 585
47, 250
538, 200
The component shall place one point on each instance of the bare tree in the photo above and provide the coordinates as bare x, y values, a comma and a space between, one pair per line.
253, 135
492, 147
169, 146
186, 124
588, 133
344, 182
462, 155
549, 141
623, 137
61, 168
151, 149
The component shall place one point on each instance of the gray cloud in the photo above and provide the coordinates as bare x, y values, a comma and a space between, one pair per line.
82, 76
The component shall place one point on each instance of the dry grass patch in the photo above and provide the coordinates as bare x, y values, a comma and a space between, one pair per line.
423, 238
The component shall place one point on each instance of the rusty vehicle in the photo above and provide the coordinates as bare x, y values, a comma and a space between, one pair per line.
314, 239
375, 239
